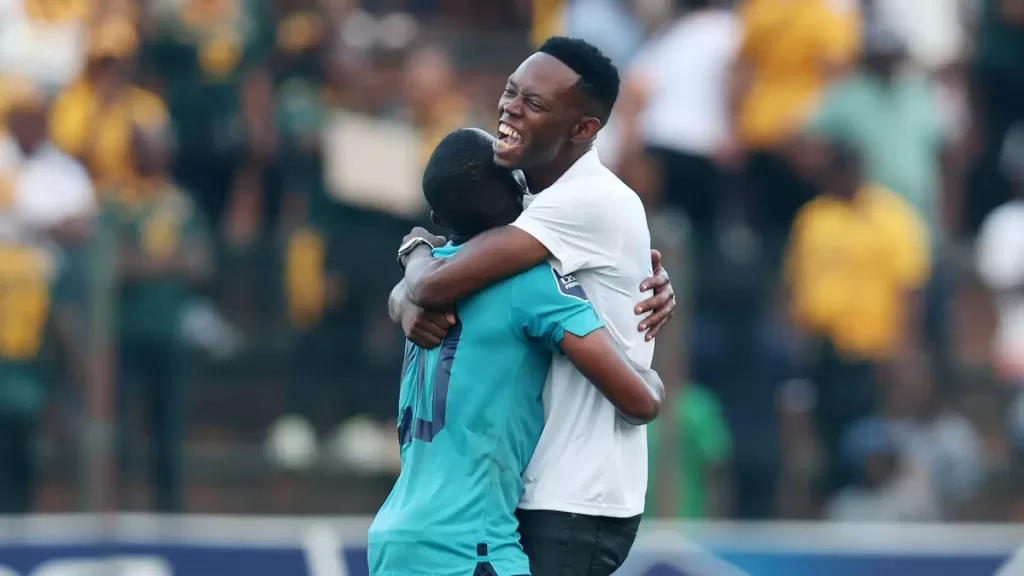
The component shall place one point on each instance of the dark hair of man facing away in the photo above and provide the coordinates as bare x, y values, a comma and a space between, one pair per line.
467, 192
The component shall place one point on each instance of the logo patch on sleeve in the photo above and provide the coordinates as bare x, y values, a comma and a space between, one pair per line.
570, 286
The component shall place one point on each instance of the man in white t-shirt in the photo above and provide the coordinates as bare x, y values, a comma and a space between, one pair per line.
45, 189
585, 485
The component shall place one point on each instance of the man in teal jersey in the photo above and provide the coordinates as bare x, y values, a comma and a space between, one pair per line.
471, 411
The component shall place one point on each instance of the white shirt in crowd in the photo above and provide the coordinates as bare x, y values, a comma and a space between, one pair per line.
687, 72
589, 460
48, 187
1000, 262
908, 497
949, 449
934, 29
52, 54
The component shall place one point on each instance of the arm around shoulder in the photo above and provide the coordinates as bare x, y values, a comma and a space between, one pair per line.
489, 258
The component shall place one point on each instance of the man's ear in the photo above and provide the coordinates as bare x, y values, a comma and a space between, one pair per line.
586, 130
436, 220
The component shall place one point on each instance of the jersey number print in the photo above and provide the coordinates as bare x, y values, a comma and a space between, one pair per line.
24, 303
432, 392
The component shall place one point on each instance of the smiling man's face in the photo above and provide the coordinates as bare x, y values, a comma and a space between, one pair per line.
537, 114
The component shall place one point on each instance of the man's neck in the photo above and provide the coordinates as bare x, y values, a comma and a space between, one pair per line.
540, 178
29, 150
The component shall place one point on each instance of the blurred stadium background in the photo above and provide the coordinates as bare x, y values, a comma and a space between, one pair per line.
193, 334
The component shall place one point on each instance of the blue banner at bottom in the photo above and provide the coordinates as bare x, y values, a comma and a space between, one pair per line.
197, 546
170, 560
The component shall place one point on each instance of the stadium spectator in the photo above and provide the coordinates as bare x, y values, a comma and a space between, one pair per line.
857, 259
47, 190
433, 103
92, 118
43, 41
935, 30
888, 488
791, 51
933, 435
312, 282
210, 57
703, 489
1000, 262
997, 99
163, 252
673, 108
34, 289
889, 113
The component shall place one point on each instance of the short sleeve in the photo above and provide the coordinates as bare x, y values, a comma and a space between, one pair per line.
577, 228
840, 30
554, 304
68, 120
1000, 248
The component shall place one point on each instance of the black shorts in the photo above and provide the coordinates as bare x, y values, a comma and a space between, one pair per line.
566, 544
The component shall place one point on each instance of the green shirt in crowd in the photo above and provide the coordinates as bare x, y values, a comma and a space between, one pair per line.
201, 56
33, 281
898, 130
158, 226
705, 443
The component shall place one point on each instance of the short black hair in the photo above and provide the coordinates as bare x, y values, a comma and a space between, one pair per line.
466, 190
599, 78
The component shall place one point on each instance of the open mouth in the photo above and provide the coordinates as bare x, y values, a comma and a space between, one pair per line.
508, 137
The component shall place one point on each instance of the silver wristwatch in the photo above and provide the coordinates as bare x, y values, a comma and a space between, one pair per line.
407, 248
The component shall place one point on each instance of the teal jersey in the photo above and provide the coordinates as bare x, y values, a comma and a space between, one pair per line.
470, 416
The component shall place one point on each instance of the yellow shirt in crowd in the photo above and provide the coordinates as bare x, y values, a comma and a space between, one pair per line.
101, 137
789, 45
851, 266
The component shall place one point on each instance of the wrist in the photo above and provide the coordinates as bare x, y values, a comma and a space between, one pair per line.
412, 248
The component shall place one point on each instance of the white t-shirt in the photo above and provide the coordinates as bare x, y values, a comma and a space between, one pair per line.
1000, 261
49, 53
934, 29
687, 70
589, 460
48, 187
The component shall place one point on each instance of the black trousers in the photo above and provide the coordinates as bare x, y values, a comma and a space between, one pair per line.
566, 544
692, 183
17, 462
151, 371
848, 391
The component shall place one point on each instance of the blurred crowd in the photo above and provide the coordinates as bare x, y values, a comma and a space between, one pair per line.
200, 203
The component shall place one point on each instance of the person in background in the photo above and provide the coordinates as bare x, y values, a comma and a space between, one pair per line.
935, 30
888, 487
704, 489
997, 101
44, 41
210, 59
163, 254
673, 109
313, 285
857, 259
999, 256
92, 118
47, 190
34, 290
934, 436
790, 53
433, 102
890, 113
